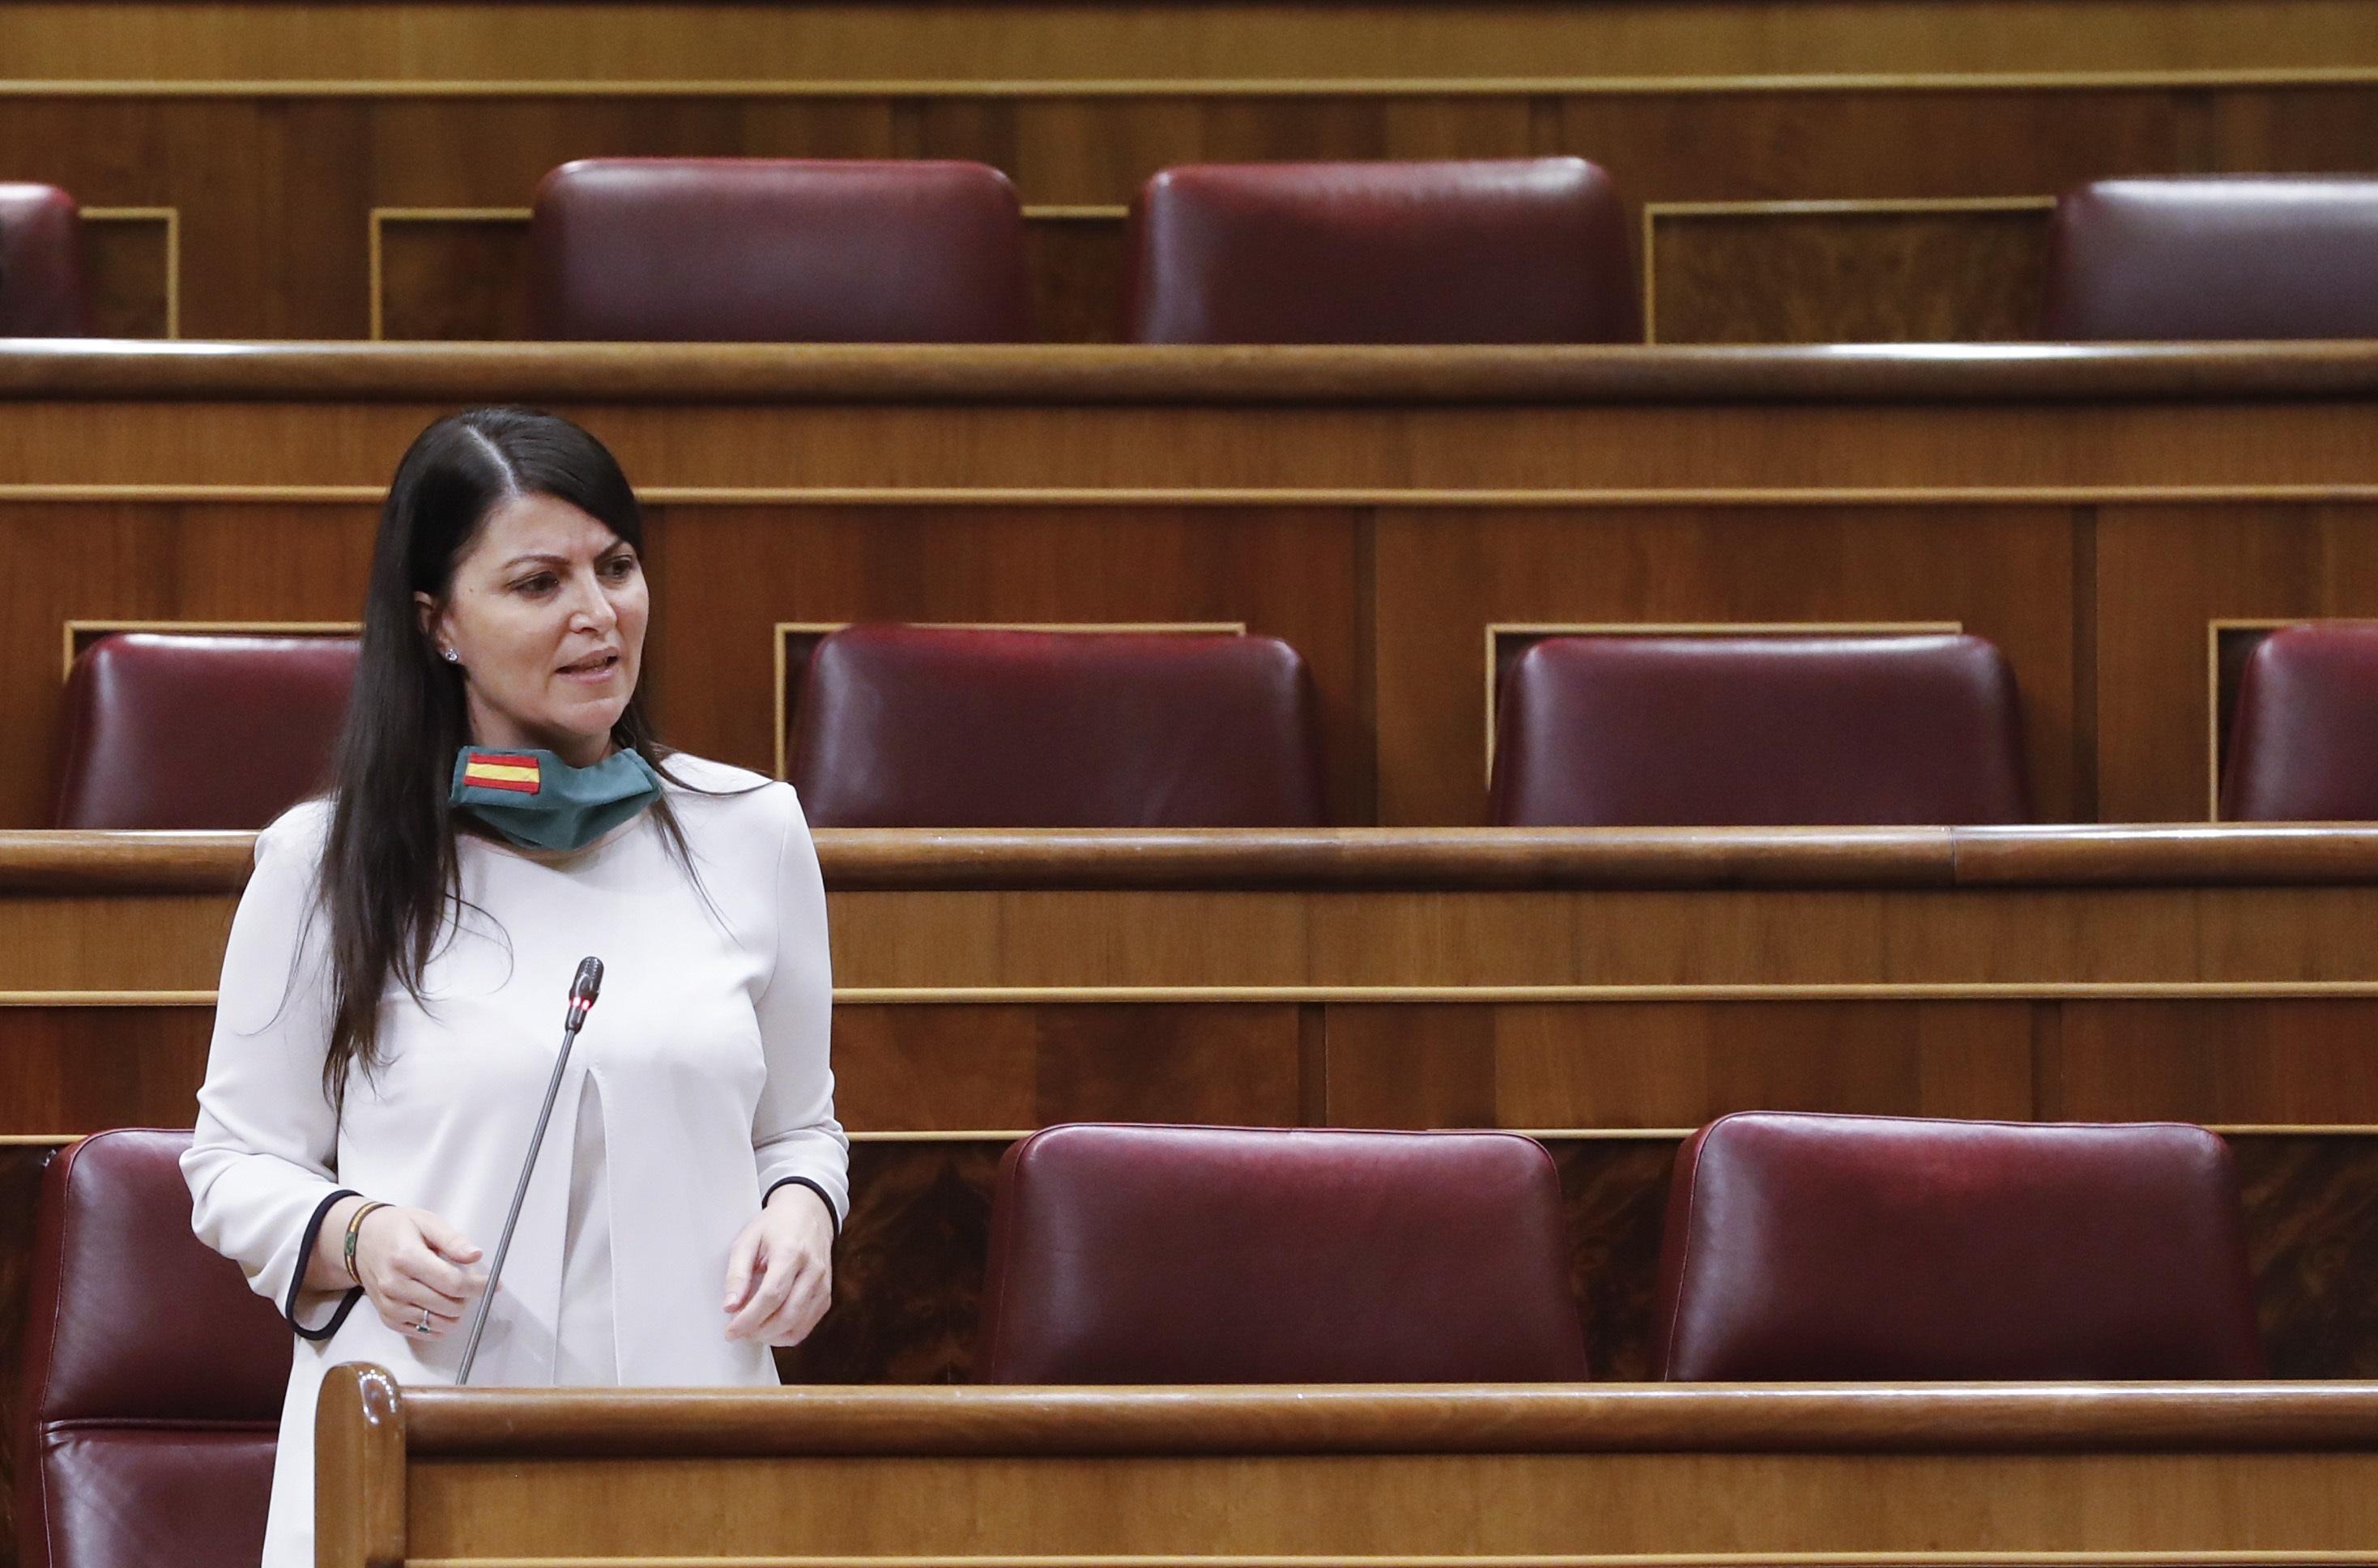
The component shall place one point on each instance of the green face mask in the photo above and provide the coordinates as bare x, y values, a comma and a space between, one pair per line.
538, 801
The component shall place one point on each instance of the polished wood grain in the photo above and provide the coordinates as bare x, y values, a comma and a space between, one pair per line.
362, 1439
600, 375
2165, 577
131, 257
451, 279
983, 1064
2092, 510
80, 1069
1018, 1065
1509, 1418
1845, 272
1418, 1472
1642, 41
1355, 860
1578, 978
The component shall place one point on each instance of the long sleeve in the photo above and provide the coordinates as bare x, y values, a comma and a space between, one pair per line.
794, 1134
261, 1166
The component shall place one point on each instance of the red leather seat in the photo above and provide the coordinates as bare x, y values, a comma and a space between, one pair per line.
1852, 1248
1758, 730
1211, 1254
908, 727
153, 1375
2304, 746
181, 731
1489, 251
42, 294
2235, 256
778, 250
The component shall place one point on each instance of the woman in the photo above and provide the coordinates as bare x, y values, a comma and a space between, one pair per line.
393, 991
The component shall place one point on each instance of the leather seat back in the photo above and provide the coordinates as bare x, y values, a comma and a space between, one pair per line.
778, 250
2234, 255
1845, 1249
42, 290
200, 731
1759, 730
907, 727
1487, 251
2303, 745
153, 1376
1207, 1254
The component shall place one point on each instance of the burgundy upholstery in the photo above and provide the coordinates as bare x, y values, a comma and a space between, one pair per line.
42, 294
2240, 255
768, 250
907, 727
1210, 1254
153, 1376
1505, 251
1758, 730
1852, 1248
185, 731
2304, 746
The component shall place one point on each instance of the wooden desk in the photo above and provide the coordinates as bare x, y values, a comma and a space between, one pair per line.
1803, 170
1252, 1477
1578, 979
2123, 522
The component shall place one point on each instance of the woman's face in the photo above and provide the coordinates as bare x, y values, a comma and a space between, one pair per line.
545, 616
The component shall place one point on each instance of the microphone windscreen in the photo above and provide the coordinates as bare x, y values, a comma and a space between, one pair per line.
588, 984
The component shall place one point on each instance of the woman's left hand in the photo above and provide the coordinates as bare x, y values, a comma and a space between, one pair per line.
780, 1270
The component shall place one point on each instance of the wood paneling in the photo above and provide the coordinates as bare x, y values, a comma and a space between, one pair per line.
77, 1069
1018, 1066
1671, 1064
990, 1065
2070, 1474
1286, 573
131, 258
2006, 573
450, 277
2091, 512
153, 563
1827, 272
1078, 268
1575, 979
2164, 576
979, 41
276, 185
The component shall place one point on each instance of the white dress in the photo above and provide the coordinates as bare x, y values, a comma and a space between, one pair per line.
699, 1083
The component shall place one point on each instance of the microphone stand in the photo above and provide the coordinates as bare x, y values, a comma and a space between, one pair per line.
583, 989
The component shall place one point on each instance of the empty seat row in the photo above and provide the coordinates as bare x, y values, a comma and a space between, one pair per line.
1797, 1247
942, 727
1482, 251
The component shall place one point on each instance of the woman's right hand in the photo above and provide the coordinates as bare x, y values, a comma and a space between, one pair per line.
409, 1261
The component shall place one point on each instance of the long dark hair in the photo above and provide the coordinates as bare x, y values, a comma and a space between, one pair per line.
390, 874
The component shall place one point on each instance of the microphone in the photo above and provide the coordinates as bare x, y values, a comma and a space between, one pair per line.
584, 986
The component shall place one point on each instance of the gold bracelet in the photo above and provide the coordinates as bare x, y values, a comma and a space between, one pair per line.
354, 1227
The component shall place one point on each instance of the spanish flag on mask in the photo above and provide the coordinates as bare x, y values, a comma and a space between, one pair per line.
506, 770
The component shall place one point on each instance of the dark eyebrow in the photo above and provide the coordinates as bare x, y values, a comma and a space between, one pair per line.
616, 545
